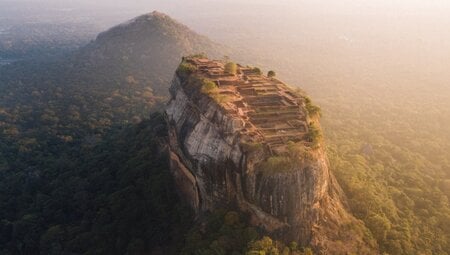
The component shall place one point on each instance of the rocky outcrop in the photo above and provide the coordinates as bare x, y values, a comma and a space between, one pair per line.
212, 169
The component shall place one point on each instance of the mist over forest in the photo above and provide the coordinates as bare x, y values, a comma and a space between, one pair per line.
379, 70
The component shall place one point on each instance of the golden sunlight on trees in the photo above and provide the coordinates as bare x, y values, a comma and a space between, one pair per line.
230, 68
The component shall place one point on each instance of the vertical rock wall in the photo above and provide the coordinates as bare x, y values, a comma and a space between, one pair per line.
211, 170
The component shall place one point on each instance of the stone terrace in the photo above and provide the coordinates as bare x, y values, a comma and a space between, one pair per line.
270, 112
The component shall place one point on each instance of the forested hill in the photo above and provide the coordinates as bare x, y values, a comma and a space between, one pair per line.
77, 177
148, 48
117, 78
53, 113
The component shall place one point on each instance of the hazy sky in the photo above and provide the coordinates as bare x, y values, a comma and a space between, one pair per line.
328, 33
389, 43
345, 7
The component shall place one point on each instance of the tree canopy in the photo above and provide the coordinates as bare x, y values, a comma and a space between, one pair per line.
271, 74
231, 68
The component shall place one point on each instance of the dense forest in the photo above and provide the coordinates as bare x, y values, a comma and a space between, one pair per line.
381, 80
48, 131
114, 201
118, 200
82, 169
59, 118
395, 176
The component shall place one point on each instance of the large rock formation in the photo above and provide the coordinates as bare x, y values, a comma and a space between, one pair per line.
250, 141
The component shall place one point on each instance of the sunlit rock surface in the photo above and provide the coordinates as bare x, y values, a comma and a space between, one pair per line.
220, 151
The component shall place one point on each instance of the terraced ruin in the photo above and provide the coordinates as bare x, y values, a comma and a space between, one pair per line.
242, 139
271, 112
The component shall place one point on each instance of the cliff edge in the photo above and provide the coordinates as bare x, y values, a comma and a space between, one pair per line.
239, 138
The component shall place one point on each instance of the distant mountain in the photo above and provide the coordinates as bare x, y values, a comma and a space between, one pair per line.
118, 78
27, 41
54, 113
148, 48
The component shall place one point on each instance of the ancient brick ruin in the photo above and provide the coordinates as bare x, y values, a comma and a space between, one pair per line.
271, 112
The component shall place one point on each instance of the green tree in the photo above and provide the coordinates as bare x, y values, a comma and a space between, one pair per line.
312, 109
379, 226
231, 68
271, 74
208, 86
314, 135
308, 251
185, 69
293, 246
257, 70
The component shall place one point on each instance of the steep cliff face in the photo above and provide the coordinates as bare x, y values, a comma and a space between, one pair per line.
213, 167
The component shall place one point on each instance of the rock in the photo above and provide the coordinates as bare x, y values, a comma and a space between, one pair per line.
212, 170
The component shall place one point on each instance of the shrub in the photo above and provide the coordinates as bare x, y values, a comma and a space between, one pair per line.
276, 164
298, 152
271, 74
185, 69
293, 246
312, 109
257, 70
308, 251
231, 68
220, 98
314, 135
208, 86
251, 146
292, 159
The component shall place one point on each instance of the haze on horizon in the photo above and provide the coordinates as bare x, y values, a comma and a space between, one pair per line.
326, 47
389, 43
356, 52
385, 56
378, 70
